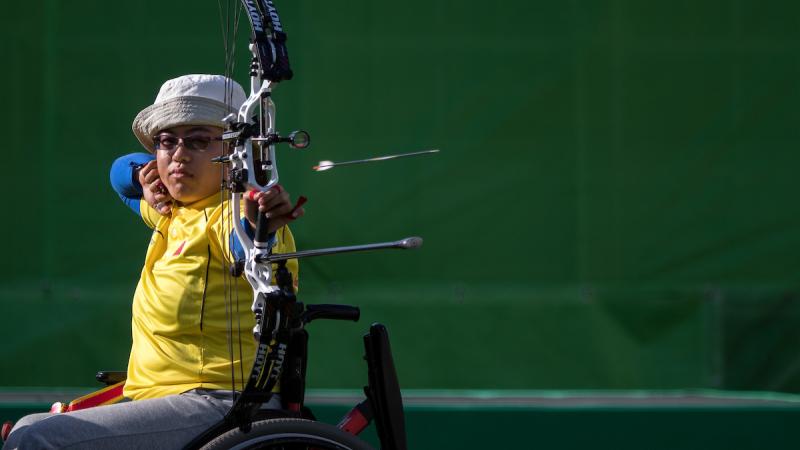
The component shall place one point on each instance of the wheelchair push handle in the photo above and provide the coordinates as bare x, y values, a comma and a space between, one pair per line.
333, 312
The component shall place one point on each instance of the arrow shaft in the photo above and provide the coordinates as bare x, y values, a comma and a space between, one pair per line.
381, 158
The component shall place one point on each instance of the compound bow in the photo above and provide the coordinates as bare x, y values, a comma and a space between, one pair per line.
251, 137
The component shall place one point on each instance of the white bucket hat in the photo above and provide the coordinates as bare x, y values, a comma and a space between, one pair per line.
187, 100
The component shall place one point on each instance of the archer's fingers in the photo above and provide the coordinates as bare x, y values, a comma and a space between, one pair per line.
158, 187
162, 197
163, 208
151, 178
143, 170
279, 210
271, 201
256, 195
275, 223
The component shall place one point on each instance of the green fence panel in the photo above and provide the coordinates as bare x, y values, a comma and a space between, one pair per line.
614, 204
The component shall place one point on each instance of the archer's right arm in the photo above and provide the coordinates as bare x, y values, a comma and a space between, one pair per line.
134, 177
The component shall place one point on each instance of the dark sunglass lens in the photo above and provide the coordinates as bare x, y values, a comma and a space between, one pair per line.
167, 142
196, 142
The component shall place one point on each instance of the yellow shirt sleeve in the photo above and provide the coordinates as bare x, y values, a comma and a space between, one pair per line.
149, 215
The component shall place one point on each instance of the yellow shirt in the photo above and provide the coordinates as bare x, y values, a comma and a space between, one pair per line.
180, 328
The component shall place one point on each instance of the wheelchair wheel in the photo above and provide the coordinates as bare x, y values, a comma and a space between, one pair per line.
289, 434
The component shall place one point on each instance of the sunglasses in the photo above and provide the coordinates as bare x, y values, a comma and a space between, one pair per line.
170, 142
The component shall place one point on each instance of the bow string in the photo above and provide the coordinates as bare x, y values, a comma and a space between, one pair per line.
249, 163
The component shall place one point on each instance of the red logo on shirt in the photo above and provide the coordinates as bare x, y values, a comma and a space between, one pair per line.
180, 249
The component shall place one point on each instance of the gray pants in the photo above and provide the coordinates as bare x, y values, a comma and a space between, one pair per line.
163, 423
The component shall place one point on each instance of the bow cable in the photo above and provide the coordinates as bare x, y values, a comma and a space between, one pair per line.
230, 282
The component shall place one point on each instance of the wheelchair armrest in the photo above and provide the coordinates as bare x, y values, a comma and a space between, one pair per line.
111, 377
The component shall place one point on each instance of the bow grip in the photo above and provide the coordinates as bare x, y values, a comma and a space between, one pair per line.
262, 233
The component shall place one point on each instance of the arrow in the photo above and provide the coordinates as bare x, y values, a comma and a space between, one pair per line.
327, 165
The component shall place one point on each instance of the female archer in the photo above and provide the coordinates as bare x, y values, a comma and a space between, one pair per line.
185, 362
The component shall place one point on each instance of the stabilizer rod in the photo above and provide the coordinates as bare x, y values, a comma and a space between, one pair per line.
407, 243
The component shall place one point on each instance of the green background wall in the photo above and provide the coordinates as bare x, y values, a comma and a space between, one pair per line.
614, 207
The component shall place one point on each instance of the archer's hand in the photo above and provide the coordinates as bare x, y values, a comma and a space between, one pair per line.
154, 191
276, 204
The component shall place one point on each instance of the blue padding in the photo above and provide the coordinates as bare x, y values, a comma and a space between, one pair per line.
236, 246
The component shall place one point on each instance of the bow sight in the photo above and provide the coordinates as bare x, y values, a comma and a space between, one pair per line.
253, 157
